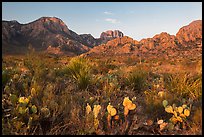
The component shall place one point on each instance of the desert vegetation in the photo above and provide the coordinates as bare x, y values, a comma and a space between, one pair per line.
44, 94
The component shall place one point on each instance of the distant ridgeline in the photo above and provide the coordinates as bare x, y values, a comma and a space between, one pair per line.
50, 34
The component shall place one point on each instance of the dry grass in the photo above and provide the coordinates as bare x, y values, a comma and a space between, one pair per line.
67, 85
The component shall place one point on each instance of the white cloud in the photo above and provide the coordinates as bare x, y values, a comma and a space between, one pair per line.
108, 13
114, 21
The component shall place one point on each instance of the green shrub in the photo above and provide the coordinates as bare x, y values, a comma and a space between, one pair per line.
153, 100
80, 71
5, 77
109, 84
104, 67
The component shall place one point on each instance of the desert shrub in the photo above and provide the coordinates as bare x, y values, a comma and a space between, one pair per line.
153, 102
184, 85
57, 104
130, 61
6, 74
61, 72
104, 67
199, 67
155, 94
80, 70
39, 68
137, 80
109, 84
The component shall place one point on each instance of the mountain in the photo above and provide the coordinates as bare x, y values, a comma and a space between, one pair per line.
49, 34
41, 34
52, 35
188, 36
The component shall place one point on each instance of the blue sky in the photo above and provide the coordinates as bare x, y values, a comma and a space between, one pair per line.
135, 19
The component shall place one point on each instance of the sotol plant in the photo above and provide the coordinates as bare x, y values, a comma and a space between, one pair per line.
80, 71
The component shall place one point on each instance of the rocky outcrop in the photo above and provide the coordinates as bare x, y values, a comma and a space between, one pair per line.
89, 40
187, 36
159, 41
162, 43
10, 30
190, 35
109, 35
123, 45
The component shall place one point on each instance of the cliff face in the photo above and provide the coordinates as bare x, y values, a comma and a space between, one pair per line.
10, 30
110, 34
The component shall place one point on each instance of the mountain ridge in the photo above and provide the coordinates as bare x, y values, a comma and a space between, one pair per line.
158, 44
48, 33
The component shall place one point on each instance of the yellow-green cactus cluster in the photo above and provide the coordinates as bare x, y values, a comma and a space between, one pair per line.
33, 92
112, 111
180, 113
128, 105
95, 113
24, 107
23, 100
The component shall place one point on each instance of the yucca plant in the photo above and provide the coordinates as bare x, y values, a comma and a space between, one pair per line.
184, 85
80, 71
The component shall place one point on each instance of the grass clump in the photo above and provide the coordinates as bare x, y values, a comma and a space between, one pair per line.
184, 84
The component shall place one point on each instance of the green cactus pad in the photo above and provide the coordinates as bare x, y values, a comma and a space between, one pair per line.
13, 98
34, 109
22, 110
165, 103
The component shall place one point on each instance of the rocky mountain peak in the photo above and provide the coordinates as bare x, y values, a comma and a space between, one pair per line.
110, 34
53, 24
52, 19
15, 22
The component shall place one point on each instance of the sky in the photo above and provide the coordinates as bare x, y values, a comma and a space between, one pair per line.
135, 19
